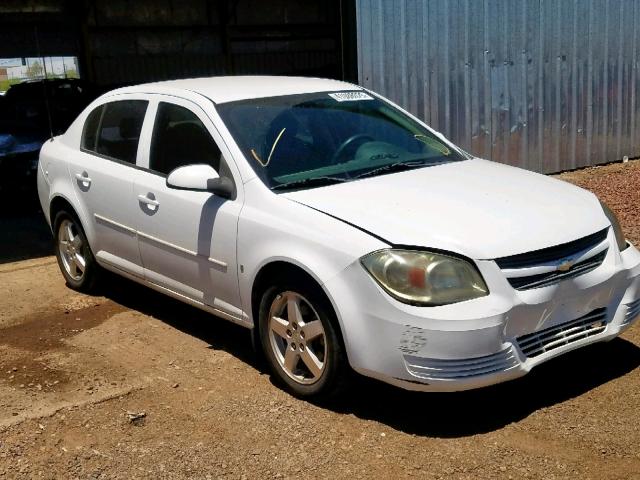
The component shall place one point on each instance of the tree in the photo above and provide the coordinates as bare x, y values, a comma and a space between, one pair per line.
35, 70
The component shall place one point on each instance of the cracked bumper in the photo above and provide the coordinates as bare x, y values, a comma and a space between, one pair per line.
488, 340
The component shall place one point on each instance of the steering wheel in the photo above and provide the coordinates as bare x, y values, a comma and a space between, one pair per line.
343, 146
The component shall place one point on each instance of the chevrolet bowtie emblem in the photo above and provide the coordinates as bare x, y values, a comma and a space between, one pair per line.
565, 266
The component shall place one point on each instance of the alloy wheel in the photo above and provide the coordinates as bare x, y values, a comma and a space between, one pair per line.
71, 248
297, 337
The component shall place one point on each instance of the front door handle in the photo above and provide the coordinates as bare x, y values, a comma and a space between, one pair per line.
83, 179
150, 200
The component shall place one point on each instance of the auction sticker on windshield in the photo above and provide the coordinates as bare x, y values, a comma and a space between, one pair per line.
350, 96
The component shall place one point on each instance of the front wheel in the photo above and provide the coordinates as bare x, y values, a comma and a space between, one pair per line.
75, 259
300, 341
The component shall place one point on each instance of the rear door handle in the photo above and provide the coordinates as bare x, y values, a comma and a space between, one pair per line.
149, 199
83, 178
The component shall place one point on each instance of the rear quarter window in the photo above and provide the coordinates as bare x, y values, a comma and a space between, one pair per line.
90, 130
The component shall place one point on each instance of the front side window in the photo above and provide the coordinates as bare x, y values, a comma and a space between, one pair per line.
119, 129
301, 141
179, 139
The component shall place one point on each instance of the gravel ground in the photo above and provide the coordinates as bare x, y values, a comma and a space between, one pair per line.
618, 185
131, 384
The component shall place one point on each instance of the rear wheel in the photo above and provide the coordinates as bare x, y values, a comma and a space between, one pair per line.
300, 341
75, 259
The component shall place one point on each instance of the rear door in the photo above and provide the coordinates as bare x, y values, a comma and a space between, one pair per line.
103, 176
187, 239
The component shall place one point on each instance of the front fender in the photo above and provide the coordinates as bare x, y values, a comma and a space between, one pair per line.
282, 230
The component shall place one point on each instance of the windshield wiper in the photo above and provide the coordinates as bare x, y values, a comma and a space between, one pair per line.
309, 182
392, 167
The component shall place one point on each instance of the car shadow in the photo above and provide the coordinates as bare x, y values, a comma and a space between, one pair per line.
426, 414
461, 414
218, 333
24, 233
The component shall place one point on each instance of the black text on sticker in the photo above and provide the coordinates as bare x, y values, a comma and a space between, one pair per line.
350, 96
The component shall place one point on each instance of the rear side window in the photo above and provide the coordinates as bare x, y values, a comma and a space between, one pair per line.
179, 139
90, 132
119, 129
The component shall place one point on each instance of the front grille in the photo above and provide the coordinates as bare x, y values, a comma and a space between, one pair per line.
550, 278
537, 343
438, 369
554, 256
633, 310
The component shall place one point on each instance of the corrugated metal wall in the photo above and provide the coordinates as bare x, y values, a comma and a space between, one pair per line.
136, 41
547, 85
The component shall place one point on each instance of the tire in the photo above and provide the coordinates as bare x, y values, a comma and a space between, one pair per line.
327, 376
74, 255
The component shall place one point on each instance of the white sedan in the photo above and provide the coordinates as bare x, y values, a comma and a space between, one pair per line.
339, 228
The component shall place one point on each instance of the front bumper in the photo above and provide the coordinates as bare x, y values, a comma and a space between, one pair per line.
487, 340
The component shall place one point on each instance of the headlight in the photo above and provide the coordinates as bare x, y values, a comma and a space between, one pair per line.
425, 278
615, 224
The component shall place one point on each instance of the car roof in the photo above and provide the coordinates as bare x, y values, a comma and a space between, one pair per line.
232, 88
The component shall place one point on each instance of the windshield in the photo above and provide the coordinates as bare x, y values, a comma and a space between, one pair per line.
303, 141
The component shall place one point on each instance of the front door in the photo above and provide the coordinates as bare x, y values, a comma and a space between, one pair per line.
187, 239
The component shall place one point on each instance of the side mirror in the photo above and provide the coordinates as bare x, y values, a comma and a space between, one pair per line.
200, 178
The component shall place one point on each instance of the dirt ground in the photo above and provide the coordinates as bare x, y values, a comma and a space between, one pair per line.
75, 368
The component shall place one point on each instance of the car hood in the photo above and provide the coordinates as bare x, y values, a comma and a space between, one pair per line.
478, 208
